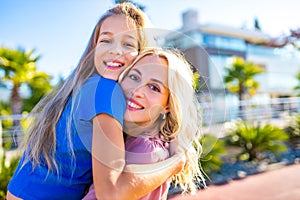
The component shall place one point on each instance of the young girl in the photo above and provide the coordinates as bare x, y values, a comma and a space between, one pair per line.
76, 135
161, 106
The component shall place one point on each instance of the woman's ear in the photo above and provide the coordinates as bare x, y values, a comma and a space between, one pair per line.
167, 109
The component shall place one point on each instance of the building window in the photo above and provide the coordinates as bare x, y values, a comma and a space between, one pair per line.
216, 66
223, 42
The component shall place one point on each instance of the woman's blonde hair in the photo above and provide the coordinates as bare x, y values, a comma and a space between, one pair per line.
41, 137
184, 119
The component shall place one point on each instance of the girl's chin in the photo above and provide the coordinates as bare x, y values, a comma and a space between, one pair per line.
111, 76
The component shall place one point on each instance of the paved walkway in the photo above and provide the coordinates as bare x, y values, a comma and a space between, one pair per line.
278, 184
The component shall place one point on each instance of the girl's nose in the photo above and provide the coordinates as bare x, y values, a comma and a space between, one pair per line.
116, 49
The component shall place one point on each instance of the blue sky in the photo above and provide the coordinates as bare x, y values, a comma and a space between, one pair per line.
59, 29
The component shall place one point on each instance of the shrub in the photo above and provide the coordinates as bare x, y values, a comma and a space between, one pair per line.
212, 149
6, 173
293, 129
255, 140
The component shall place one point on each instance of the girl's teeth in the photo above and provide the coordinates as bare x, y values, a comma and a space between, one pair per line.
113, 64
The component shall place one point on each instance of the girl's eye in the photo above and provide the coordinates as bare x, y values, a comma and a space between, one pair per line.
154, 88
104, 41
128, 44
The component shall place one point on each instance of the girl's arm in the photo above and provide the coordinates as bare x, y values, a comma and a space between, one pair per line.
112, 178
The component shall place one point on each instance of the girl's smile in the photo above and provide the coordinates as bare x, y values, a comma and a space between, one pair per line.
117, 46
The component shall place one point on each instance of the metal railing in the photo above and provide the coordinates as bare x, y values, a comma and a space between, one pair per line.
251, 110
255, 111
9, 134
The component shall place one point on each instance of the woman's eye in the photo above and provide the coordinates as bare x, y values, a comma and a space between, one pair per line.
133, 77
154, 88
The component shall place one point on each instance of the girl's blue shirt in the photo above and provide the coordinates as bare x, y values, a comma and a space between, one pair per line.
98, 95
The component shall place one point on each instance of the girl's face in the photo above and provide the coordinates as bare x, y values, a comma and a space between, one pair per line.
117, 46
146, 90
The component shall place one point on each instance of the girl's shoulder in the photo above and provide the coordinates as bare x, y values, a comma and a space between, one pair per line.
97, 84
96, 79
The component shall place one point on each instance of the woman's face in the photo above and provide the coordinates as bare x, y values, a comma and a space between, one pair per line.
146, 90
117, 46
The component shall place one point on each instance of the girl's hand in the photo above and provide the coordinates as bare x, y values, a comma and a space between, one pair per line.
178, 152
175, 147
181, 160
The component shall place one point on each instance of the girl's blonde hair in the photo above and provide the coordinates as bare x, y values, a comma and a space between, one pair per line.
184, 119
41, 137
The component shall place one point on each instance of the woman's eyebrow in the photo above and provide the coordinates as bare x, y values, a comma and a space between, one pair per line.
152, 79
158, 81
137, 71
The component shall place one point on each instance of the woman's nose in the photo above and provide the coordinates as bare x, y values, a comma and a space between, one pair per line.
139, 91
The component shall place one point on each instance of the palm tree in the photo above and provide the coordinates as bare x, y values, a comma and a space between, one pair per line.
18, 68
39, 85
239, 77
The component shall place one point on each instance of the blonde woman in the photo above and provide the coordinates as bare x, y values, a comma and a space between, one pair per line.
179, 119
161, 114
76, 134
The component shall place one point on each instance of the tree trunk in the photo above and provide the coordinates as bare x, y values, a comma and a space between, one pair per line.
16, 108
241, 93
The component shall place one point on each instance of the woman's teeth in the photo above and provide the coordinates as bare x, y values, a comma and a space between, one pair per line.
133, 105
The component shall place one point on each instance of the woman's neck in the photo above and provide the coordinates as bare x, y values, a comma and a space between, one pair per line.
134, 130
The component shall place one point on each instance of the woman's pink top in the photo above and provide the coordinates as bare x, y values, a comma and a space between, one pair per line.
144, 150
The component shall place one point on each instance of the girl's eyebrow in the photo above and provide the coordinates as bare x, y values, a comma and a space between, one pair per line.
105, 33
110, 33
